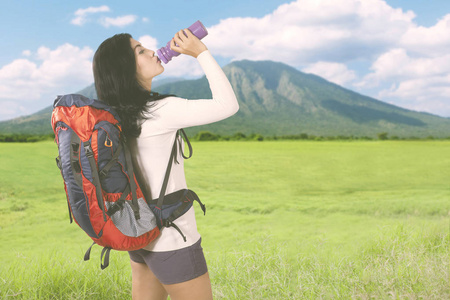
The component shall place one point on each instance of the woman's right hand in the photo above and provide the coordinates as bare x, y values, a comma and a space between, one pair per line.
187, 43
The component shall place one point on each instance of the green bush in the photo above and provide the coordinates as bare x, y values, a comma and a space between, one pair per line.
256, 137
239, 136
206, 136
382, 136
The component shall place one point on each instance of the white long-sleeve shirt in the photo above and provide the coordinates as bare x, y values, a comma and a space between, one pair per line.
152, 149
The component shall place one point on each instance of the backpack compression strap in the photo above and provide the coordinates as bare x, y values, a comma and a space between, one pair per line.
95, 176
134, 202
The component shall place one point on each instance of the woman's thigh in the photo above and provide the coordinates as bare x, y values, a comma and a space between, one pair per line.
182, 273
144, 283
196, 289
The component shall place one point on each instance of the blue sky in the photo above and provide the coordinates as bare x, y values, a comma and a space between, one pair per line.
397, 51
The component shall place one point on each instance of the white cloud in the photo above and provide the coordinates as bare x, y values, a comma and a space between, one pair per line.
416, 81
12, 109
434, 87
82, 17
429, 94
307, 31
182, 66
148, 42
118, 21
334, 72
416, 69
428, 41
81, 14
62, 70
397, 64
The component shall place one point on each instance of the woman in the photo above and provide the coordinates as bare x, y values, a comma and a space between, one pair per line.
123, 73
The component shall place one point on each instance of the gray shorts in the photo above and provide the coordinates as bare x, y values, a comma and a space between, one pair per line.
175, 266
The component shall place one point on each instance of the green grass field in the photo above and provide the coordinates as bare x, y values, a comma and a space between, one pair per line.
285, 220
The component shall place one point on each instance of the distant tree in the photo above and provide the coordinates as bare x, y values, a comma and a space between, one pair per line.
342, 137
382, 136
366, 138
206, 136
257, 137
33, 139
239, 136
303, 136
289, 137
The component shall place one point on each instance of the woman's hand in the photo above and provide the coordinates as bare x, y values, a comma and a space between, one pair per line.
186, 43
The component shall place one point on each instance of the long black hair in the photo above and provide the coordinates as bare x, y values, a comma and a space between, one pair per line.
115, 80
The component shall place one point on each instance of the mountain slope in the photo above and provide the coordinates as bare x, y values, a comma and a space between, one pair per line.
276, 99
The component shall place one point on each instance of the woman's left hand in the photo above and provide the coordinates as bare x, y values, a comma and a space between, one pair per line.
187, 43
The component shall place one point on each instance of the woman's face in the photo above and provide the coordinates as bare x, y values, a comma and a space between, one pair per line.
148, 65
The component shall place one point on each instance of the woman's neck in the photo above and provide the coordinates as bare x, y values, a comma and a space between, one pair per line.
147, 85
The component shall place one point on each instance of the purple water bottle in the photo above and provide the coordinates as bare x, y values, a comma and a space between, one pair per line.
165, 54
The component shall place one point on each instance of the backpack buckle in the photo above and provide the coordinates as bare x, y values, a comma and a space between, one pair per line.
58, 163
88, 150
168, 223
103, 173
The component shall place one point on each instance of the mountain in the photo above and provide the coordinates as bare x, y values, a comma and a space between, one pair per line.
276, 99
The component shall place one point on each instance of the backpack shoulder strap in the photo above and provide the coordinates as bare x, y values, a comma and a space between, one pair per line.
172, 158
166, 177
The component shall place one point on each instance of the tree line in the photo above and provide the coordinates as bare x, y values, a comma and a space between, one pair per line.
25, 138
239, 136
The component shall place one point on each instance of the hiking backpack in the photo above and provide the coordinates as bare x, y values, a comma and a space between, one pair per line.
104, 197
